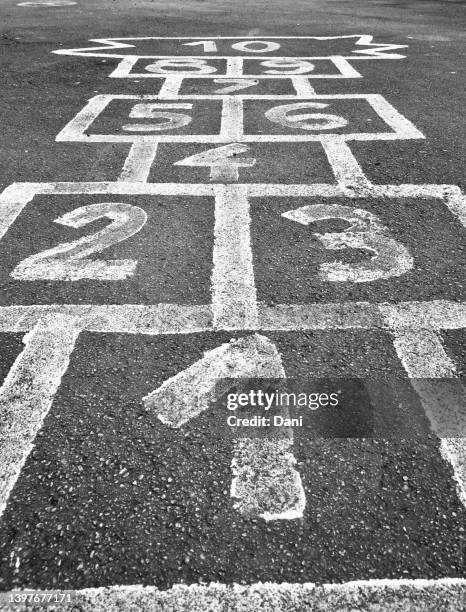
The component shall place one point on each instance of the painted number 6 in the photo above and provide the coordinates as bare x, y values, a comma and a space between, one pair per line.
389, 257
308, 121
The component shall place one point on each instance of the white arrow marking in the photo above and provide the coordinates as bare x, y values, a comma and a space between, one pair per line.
265, 482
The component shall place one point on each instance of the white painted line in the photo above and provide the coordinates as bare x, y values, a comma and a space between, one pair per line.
456, 202
231, 129
343, 315
81, 122
12, 201
302, 87
220, 139
265, 482
123, 70
234, 297
52, 3
24, 191
421, 353
345, 166
139, 162
157, 319
258, 190
28, 392
400, 125
234, 67
423, 356
444, 595
345, 68
15, 197
435, 314
171, 87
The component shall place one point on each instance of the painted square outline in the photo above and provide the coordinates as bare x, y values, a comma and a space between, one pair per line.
234, 68
232, 122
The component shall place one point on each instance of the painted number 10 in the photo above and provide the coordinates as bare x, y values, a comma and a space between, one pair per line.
246, 46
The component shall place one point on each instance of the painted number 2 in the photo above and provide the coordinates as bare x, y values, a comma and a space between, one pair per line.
389, 257
69, 261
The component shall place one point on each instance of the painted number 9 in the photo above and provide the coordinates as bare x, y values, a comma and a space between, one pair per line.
287, 66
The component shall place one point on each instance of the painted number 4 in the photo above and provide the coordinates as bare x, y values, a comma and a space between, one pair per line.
222, 161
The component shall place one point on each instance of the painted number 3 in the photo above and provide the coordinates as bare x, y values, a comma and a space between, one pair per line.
389, 257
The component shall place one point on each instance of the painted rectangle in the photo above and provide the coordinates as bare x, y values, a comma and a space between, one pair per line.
119, 118
196, 67
140, 250
316, 261
100, 452
252, 87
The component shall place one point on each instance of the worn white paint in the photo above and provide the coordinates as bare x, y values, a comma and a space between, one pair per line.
234, 67
345, 166
222, 161
303, 87
388, 257
231, 128
154, 319
265, 482
70, 261
139, 162
234, 85
170, 87
159, 319
28, 391
445, 595
423, 356
234, 304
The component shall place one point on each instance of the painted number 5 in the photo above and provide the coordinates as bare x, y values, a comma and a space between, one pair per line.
389, 257
69, 261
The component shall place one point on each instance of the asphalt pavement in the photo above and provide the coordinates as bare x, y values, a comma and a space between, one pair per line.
245, 190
